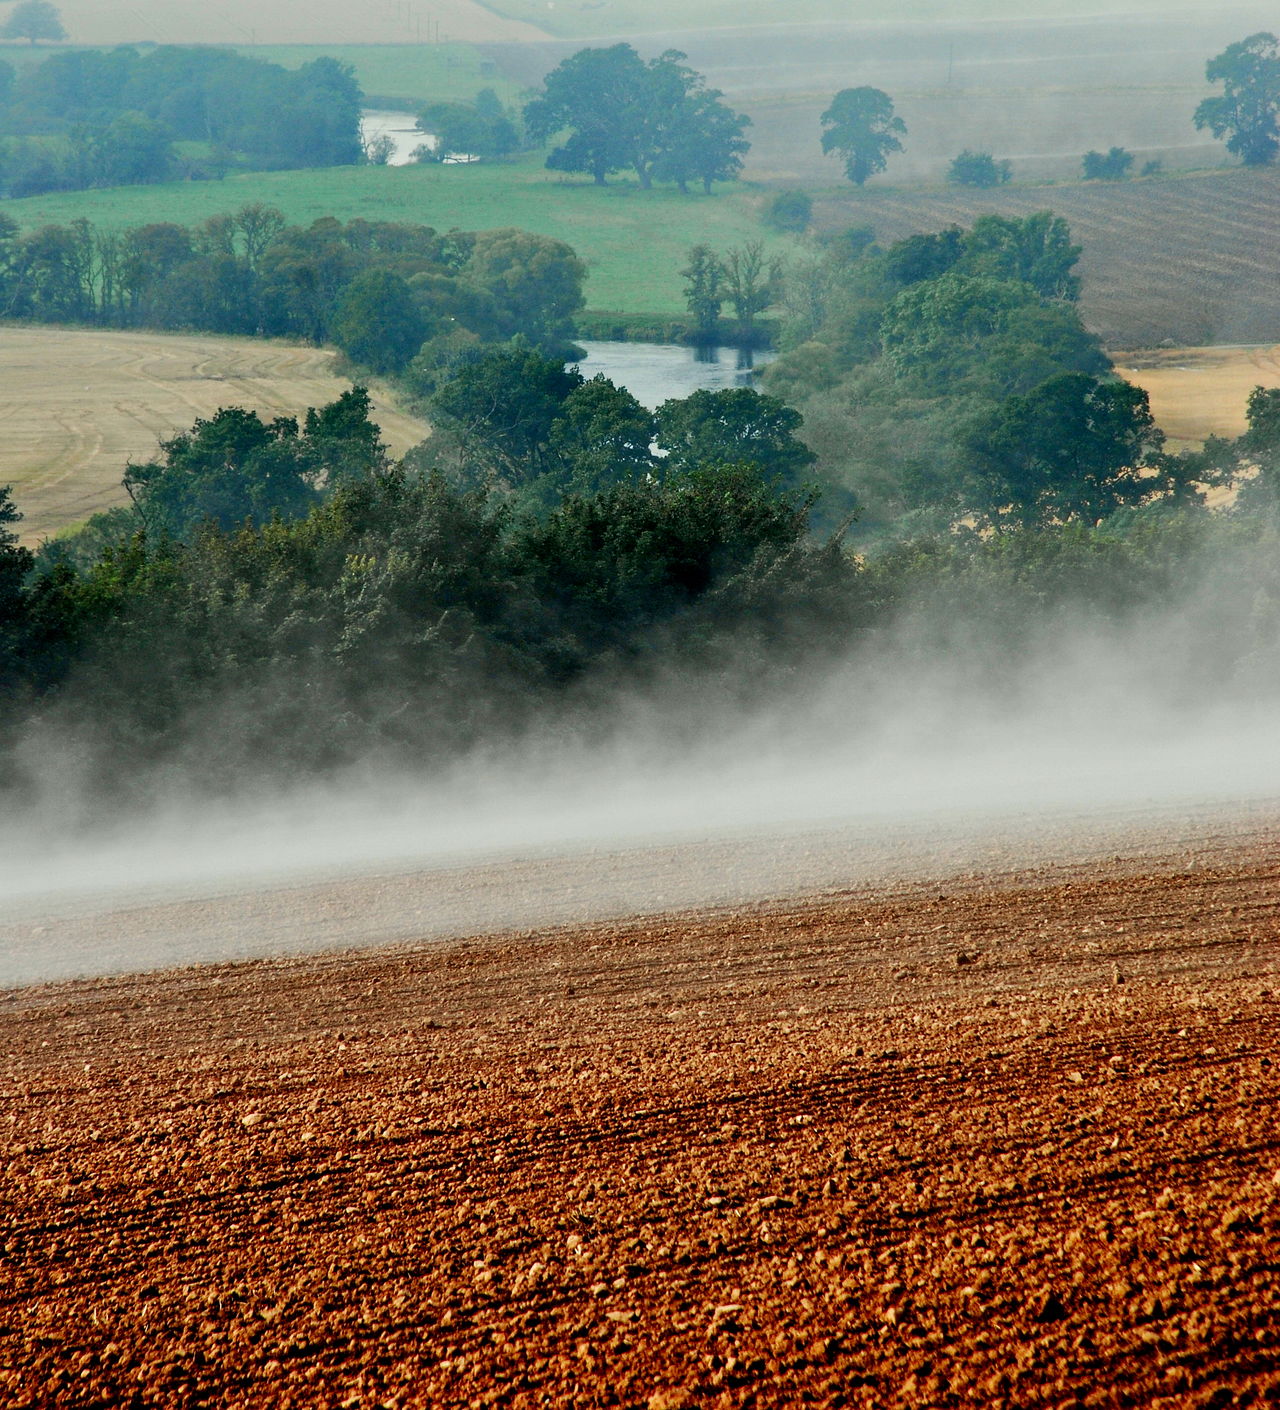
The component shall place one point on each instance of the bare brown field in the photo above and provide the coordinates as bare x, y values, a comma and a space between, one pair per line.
287, 22
77, 405
1194, 260
1004, 1141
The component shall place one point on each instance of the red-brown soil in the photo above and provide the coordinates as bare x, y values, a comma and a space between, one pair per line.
1003, 1143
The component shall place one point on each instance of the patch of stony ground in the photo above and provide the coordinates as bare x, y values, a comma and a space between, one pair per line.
1007, 1144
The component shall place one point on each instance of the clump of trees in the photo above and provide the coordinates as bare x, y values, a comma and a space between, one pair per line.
744, 277
863, 130
1247, 112
949, 381
1115, 165
790, 212
379, 290
482, 128
979, 169
615, 112
284, 600
99, 117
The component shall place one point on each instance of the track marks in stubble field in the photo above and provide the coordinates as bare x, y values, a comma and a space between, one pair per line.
81, 404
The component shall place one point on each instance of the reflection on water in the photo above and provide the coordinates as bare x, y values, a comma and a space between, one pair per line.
656, 372
400, 127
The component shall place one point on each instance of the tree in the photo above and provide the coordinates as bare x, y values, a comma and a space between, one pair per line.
535, 282
656, 119
235, 468
1037, 249
466, 128
600, 96
702, 139
1247, 110
789, 211
1114, 165
704, 291
979, 169
499, 408
1074, 448
751, 281
377, 323
733, 426
602, 437
34, 19
862, 127
15, 564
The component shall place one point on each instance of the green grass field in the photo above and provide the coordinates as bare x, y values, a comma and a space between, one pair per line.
634, 242
414, 74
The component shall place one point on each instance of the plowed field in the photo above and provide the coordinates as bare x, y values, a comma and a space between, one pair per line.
1194, 260
996, 1142
77, 405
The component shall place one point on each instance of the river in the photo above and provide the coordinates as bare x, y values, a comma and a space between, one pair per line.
656, 372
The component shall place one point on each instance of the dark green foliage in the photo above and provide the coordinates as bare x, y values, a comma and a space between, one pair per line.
657, 119
33, 20
921, 257
704, 291
499, 407
110, 117
734, 426
1246, 112
601, 436
1115, 165
377, 323
236, 469
1074, 448
790, 212
979, 169
890, 354
479, 129
380, 290
15, 564
862, 128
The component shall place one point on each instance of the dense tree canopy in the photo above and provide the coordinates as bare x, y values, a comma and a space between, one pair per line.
106, 117
379, 289
1074, 448
1247, 110
862, 128
657, 119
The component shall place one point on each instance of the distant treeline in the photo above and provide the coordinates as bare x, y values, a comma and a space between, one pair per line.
111, 118
377, 289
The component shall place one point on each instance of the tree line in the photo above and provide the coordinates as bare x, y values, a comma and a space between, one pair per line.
284, 600
113, 117
379, 290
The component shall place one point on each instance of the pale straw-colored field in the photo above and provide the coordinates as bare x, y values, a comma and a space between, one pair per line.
77, 405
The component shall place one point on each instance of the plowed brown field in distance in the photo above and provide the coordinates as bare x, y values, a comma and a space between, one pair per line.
1194, 259
1005, 1142
76, 405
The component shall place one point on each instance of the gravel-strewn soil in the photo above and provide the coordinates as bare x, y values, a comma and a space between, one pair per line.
992, 1144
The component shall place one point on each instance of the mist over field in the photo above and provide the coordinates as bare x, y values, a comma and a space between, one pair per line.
937, 744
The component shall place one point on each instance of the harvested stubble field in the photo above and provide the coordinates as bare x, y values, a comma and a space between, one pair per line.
1194, 260
1005, 1141
1200, 392
79, 404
